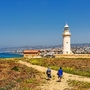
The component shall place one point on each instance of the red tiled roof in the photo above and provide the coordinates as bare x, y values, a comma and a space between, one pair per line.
31, 51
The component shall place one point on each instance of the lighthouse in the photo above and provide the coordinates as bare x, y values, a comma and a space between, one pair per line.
66, 40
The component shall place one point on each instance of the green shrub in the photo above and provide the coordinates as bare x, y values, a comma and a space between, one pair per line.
54, 67
31, 80
2, 89
15, 68
19, 80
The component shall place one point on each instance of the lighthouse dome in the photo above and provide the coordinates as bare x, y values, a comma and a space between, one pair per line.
66, 27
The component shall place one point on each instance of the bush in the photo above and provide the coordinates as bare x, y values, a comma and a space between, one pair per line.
15, 68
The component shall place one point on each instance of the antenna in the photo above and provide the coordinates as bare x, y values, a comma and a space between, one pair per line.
66, 22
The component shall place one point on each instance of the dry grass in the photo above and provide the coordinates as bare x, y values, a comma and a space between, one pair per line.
18, 77
79, 85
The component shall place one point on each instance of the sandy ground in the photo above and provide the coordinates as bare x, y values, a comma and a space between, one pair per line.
52, 84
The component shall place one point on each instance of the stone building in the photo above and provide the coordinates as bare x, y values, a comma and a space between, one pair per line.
31, 53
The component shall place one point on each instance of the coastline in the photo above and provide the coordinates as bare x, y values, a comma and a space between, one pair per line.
10, 55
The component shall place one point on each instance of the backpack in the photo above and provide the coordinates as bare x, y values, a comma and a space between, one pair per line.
48, 72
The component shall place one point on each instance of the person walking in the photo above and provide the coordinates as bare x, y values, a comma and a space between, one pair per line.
48, 72
60, 73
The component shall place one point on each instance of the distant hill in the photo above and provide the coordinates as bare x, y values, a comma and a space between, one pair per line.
20, 49
81, 44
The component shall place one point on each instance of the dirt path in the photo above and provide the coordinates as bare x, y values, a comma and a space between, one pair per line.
53, 84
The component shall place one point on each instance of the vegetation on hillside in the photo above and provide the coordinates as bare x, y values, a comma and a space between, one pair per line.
14, 76
78, 66
79, 85
20, 77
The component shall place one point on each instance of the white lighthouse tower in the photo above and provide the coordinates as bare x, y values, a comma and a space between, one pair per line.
66, 40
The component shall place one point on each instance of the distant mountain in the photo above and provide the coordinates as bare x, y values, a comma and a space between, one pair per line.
20, 49
81, 44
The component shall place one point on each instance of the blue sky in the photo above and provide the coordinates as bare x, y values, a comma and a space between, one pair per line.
41, 22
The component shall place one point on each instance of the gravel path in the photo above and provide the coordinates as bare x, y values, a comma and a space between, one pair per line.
53, 84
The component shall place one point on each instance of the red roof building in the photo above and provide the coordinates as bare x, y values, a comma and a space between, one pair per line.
31, 53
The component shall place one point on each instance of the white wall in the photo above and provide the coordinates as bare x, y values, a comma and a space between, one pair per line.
66, 45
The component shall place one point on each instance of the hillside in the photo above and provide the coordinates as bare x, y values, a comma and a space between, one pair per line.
81, 83
15, 76
19, 74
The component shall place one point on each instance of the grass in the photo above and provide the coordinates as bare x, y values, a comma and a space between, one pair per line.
76, 71
19, 76
31, 80
79, 85
2, 88
54, 65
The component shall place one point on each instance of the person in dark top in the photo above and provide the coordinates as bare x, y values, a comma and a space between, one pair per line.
60, 73
48, 72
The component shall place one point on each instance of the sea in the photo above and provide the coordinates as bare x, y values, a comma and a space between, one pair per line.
10, 55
